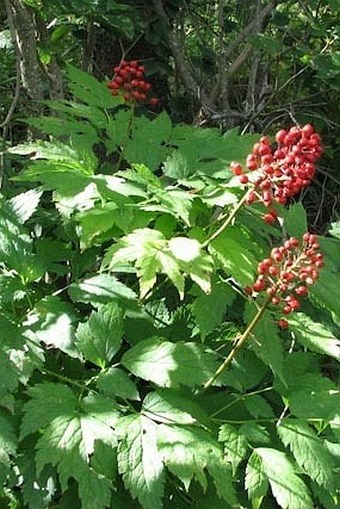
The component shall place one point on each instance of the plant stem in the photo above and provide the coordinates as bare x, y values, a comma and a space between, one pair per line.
237, 346
68, 380
227, 221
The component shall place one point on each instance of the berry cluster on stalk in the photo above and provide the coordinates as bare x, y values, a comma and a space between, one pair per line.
129, 80
276, 174
287, 273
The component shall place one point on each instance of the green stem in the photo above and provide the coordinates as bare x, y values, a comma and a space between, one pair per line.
68, 380
238, 399
227, 221
238, 345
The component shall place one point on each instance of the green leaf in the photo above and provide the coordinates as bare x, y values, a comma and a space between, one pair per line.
335, 229
69, 429
169, 364
153, 254
256, 482
257, 406
100, 338
308, 451
222, 477
139, 461
266, 343
86, 88
8, 447
288, 489
209, 310
234, 443
314, 335
67, 443
326, 291
235, 258
25, 204
172, 407
176, 166
48, 401
100, 289
187, 451
295, 220
312, 395
8, 439
147, 143
52, 323
9, 382
67, 157
115, 382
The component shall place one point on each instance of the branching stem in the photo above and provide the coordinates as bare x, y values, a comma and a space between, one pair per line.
227, 222
239, 343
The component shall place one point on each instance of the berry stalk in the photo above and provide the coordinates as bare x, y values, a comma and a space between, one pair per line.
227, 222
239, 343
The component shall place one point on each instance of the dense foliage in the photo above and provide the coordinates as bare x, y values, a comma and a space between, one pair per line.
142, 366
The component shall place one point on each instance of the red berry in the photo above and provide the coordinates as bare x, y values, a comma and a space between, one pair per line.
154, 101
244, 179
283, 324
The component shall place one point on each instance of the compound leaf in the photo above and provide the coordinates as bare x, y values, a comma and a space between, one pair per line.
308, 451
139, 461
169, 364
99, 338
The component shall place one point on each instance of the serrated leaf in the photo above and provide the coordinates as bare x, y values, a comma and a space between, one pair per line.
170, 364
25, 204
295, 220
67, 443
222, 477
86, 88
139, 461
308, 451
258, 406
116, 382
326, 291
235, 258
52, 323
146, 143
256, 482
8, 439
187, 451
100, 338
9, 382
171, 407
210, 309
48, 401
176, 166
315, 336
100, 289
69, 428
335, 229
288, 489
234, 443
151, 253
312, 395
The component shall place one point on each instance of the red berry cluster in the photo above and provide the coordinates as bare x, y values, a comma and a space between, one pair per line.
129, 79
285, 276
279, 173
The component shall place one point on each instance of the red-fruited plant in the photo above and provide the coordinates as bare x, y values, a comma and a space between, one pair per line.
277, 173
122, 307
129, 80
284, 276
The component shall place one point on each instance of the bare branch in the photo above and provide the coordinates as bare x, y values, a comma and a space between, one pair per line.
15, 98
23, 32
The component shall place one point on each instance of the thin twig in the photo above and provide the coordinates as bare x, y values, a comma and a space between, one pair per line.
15, 97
